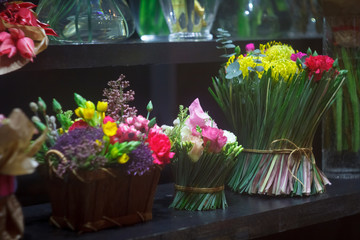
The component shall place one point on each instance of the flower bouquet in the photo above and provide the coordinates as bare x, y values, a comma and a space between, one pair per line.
22, 35
274, 98
102, 172
16, 151
204, 155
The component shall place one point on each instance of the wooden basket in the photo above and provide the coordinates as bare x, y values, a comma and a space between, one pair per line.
92, 200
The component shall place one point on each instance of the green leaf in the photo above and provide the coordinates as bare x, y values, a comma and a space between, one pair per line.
257, 60
233, 70
259, 68
229, 46
227, 55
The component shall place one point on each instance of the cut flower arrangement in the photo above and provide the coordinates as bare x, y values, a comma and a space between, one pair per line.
117, 161
204, 155
22, 35
274, 98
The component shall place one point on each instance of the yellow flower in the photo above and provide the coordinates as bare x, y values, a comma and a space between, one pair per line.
79, 112
123, 159
88, 113
230, 61
61, 131
277, 52
110, 129
102, 106
90, 105
98, 142
248, 61
284, 68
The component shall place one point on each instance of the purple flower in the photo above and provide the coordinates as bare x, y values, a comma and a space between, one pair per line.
140, 160
297, 55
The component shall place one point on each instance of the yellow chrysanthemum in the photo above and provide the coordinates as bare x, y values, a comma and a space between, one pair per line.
248, 61
277, 52
123, 159
284, 68
110, 129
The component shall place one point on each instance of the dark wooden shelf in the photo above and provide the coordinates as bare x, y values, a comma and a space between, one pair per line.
246, 217
135, 52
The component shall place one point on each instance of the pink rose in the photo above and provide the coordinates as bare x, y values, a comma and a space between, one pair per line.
198, 117
214, 139
26, 47
249, 47
160, 146
108, 119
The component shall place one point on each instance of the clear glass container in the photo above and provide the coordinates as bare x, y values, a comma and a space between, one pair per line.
149, 19
87, 21
341, 125
189, 19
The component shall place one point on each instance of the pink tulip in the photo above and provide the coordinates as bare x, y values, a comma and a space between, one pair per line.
16, 33
108, 119
7, 47
26, 48
4, 35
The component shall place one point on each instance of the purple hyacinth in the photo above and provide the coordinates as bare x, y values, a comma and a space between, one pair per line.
80, 149
140, 160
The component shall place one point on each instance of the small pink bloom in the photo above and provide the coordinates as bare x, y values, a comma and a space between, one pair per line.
198, 117
299, 55
249, 47
139, 122
125, 133
108, 119
26, 48
214, 139
8, 47
155, 130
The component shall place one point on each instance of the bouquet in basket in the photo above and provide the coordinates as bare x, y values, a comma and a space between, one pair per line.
204, 155
22, 35
274, 97
106, 141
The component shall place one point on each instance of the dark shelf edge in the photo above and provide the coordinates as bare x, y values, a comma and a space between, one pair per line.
136, 52
247, 216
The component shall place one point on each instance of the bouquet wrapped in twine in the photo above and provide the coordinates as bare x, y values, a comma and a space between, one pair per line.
204, 155
274, 98
16, 151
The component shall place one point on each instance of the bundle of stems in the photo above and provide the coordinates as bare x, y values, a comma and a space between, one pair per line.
200, 184
276, 120
345, 113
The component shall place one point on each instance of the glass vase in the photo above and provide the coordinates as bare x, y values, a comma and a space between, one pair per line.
189, 19
341, 126
149, 20
87, 21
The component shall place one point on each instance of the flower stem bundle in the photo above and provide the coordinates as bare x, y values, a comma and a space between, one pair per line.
204, 156
275, 111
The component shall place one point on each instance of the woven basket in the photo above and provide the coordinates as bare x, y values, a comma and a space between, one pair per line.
92, 200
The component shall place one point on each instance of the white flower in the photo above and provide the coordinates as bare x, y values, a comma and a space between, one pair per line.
231, 138
197, 149
176, 122
167, 129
